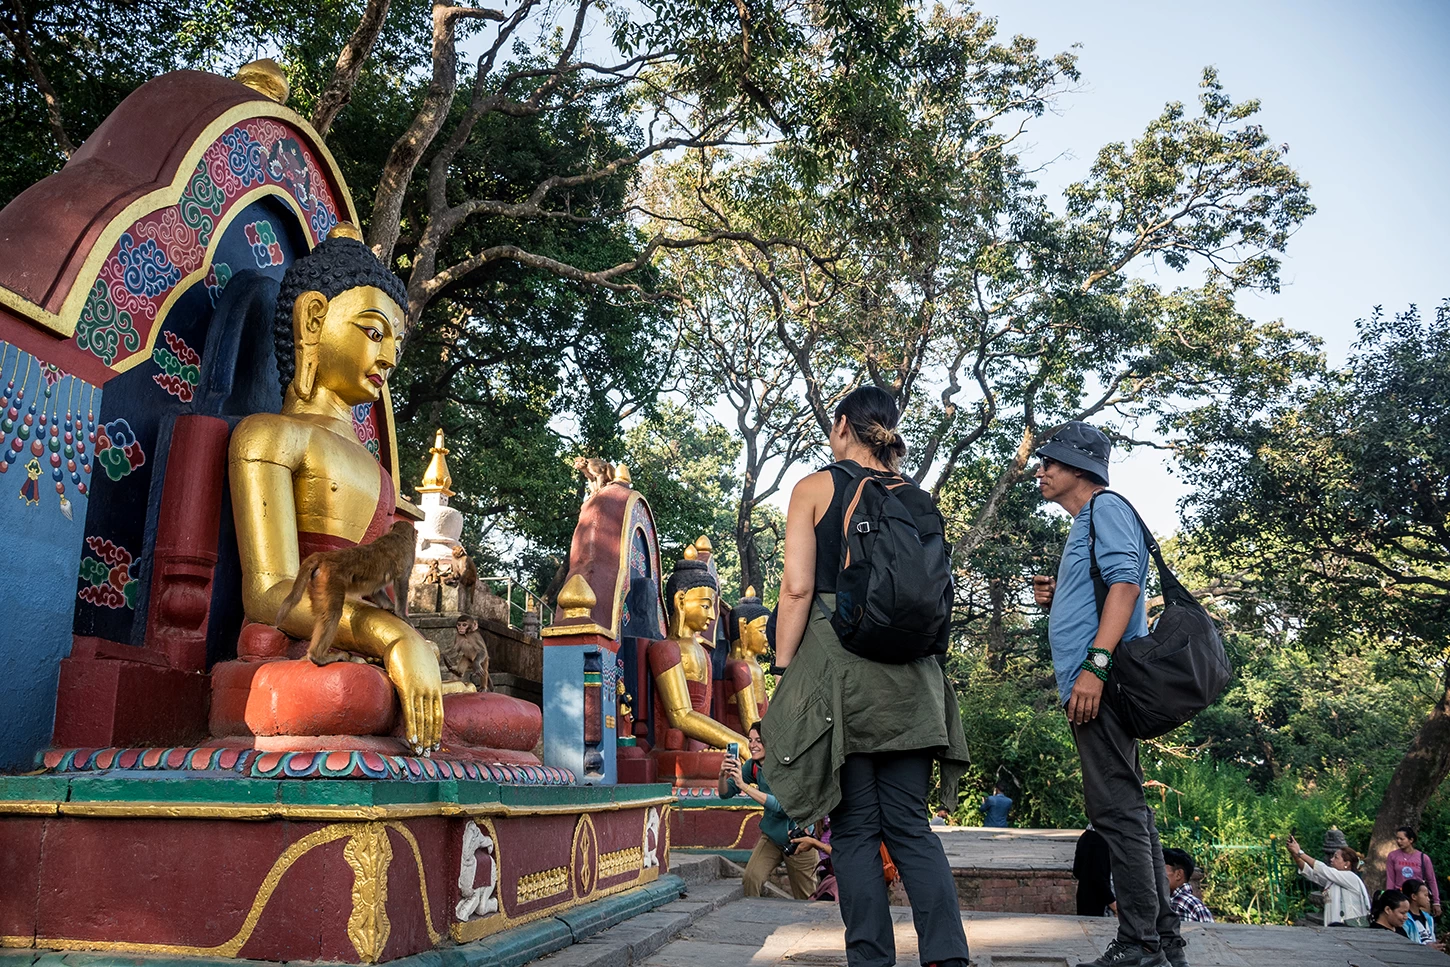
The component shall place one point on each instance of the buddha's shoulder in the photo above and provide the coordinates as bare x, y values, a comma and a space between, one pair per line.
274, 437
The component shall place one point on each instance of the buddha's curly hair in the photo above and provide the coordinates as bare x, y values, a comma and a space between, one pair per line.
687, 576
747, 609
336, 265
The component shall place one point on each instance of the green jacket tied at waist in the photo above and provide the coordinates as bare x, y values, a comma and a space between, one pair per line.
831, 704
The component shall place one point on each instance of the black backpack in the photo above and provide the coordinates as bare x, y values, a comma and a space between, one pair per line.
894, 589
1161, 681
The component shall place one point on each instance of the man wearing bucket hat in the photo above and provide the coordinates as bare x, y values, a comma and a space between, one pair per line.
1074, 468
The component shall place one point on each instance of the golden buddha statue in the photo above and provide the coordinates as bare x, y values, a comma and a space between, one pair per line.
681, 663
302, 482
748, 644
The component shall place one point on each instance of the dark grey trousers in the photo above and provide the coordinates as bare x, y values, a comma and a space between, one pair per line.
1112, 789
883, 798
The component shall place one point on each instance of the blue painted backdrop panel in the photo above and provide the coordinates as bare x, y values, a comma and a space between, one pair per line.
43, 501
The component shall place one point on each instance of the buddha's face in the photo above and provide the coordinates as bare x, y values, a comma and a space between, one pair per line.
752, 636
358, 344
695, 608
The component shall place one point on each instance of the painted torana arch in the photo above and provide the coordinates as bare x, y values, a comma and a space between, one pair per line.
132, 292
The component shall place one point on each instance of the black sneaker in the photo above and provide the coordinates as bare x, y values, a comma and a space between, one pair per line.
1173, 950
1121, 954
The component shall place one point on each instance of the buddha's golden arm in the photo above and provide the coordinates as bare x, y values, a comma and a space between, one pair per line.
749, 711
675, 694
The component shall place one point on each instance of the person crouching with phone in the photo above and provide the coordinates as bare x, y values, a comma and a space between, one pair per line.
775, 842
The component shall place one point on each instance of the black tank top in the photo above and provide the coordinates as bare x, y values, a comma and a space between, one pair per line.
828, 529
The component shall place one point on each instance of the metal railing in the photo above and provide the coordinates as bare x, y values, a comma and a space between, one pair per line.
520, 600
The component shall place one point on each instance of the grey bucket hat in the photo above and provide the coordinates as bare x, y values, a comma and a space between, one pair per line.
1081, 446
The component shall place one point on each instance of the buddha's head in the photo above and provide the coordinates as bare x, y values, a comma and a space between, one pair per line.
748, 619
690, 596
340, 317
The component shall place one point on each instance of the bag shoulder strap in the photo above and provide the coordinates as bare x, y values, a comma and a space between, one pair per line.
1166, 577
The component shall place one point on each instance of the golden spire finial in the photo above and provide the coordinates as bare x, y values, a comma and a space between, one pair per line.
690, 553
577, 598
750, 591
703, 545
345, 230
621, 475
437, 479
265, 77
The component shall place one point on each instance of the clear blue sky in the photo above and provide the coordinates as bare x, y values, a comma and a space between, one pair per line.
1359, 91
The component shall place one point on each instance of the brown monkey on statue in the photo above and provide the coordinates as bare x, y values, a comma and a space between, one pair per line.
364, 570
597, 473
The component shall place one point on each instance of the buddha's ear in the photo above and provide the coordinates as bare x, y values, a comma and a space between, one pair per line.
308, 314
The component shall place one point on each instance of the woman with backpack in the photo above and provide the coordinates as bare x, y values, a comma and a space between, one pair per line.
864, 707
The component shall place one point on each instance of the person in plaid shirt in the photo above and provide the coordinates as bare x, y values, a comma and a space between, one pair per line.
1178, 865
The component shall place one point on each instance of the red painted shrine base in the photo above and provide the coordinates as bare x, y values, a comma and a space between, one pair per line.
310, 880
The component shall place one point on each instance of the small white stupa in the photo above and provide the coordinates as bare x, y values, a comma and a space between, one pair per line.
442, 526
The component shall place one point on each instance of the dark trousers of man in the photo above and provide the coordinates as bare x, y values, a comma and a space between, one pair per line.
883, 798
1112, 787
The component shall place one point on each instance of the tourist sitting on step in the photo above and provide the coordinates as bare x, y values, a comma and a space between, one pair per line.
774, 844
1389, 911
1346, 901
1421, 923
1179, 866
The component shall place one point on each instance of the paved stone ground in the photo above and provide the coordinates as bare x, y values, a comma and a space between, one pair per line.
983, 848
776, 933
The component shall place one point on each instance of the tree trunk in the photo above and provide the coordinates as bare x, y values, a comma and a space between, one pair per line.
349, 65
745, 549
1416, 778
996, 634
19, 39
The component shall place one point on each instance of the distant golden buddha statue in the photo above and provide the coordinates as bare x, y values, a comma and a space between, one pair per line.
681, 664
302, 482
748, 643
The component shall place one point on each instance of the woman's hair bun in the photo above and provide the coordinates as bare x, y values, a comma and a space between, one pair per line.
878, 435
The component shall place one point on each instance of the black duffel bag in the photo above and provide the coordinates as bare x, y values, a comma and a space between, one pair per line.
1161, 681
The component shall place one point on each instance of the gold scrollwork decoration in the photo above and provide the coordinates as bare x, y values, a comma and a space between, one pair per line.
547, 883
626, 860
369, 852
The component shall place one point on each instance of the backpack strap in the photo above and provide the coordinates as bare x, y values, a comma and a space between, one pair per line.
1166, 577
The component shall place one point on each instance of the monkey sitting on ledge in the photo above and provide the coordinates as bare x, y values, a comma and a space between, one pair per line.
329, 576
597, 473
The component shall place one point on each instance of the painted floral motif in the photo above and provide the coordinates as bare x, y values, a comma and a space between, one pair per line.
366, 428
109, 583
217, 278
244, 157
117, 449
201, 204
180, 367
323, 219
263, 239
165, 247
178, 240
145, 269
103, 329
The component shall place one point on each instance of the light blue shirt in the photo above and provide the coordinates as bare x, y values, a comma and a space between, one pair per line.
1123, 559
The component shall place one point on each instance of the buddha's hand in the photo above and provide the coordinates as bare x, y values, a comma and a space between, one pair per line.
415, 675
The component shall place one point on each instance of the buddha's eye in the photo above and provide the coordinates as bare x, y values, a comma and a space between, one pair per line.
373, 333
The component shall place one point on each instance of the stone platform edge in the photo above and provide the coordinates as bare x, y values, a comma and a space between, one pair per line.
511, 948
188, 796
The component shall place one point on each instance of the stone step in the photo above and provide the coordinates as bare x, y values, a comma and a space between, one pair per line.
639, 937
695, 867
